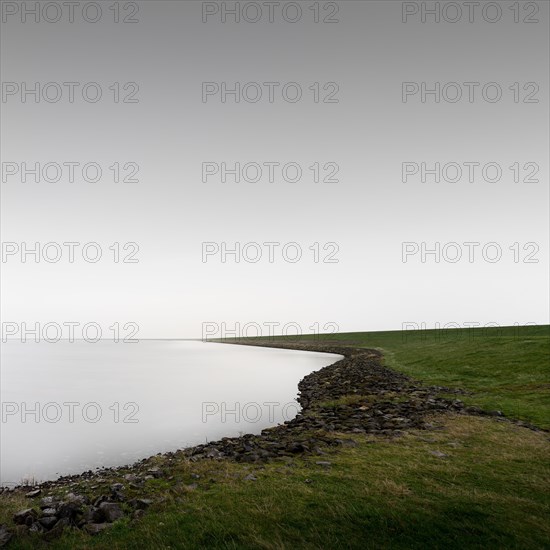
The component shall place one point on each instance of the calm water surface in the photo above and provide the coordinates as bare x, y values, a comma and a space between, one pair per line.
71, 407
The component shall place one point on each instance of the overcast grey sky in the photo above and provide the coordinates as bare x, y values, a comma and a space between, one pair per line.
355, 118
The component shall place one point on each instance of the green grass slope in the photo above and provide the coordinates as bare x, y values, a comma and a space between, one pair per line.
506, 368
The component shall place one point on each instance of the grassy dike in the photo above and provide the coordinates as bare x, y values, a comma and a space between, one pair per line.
468, 482
505, 368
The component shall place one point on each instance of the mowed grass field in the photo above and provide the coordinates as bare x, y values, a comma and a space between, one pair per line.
471, 482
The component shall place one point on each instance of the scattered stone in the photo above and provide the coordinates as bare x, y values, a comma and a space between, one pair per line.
213, 453
25, 517
297, 448
100, 499
140, 503
36, 528
111, 511
56, 530
48, 522
251, 477
5, 535
76, 499
47, 502
32, 494
69, 510
93, 515
438, 454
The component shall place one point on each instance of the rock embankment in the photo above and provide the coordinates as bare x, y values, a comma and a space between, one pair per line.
354, 395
